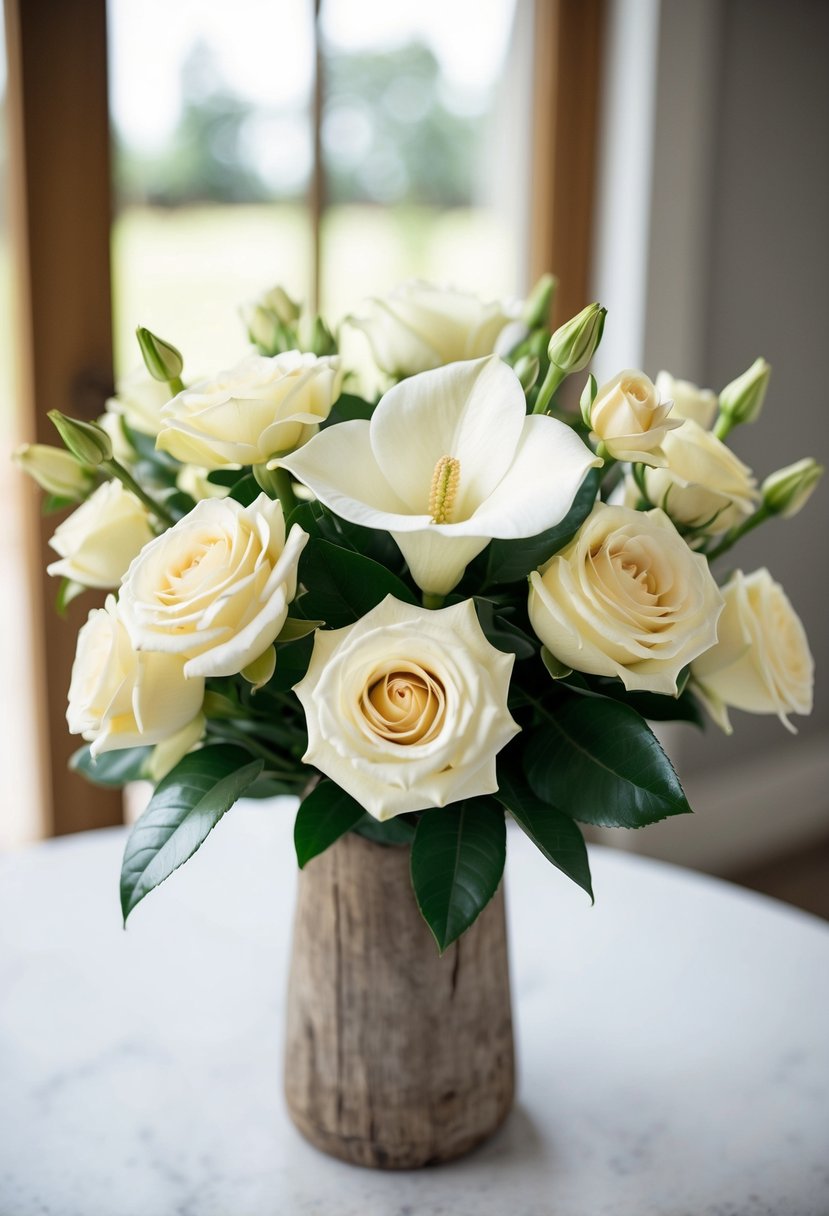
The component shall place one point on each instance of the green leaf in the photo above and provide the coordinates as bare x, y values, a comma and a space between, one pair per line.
185, 807
344, 586
600, 762
323, 817
246, 490
550, 830
67, 592
348, 407
111, 768
502, 633
511, 560
656, 707
399, 830
53, 503
293, 664
295, 628
322, 524
458, 858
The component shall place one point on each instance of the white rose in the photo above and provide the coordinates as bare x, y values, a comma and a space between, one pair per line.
138, 400
704, 485
761, 662
261, 406
626, 598
120, 698
406, 709
698, 404
215, 587
193, 481
99, 540
419, 326
631, 420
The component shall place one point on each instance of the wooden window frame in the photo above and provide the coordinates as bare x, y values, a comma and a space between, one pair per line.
59, 143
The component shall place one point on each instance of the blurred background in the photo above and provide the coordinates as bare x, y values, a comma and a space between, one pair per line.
162, 164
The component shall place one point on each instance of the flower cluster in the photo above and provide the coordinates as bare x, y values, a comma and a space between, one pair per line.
456, 597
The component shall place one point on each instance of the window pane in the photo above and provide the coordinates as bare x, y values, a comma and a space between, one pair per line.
210, 108
424, 142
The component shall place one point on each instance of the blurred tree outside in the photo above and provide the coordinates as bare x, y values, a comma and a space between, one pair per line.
392, 133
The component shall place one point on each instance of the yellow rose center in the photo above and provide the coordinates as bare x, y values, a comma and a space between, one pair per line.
405, 705
444, 489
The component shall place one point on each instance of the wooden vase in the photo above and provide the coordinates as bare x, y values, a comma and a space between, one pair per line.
396, 1056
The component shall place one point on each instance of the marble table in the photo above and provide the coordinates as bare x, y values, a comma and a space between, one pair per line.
672, 1040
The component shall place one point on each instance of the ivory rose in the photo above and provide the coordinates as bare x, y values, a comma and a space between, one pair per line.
626, 598
761, 662
419, 326
407, 709
119, 697
698, 404
631, 421
448, 461
215, 588
99, 540
703, 485
261, 406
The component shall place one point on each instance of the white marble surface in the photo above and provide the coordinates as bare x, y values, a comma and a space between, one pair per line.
673, 1046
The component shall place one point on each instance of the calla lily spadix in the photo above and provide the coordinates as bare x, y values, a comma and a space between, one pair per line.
448, 462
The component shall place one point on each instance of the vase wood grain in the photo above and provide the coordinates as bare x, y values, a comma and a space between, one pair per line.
396, 1056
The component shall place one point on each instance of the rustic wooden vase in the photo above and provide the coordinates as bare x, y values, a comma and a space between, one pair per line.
396, 1056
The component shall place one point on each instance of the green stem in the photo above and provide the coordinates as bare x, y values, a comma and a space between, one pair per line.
432, 600
128, 481
277, 483
231, 735
723, 427
760, 516
176, 385
551, 382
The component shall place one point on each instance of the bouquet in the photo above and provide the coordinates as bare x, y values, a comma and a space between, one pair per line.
418, 607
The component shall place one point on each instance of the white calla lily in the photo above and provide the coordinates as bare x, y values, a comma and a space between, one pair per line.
449, 461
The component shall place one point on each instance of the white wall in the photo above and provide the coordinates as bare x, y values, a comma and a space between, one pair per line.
712, 248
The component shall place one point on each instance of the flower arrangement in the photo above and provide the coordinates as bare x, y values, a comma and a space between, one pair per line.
415, 609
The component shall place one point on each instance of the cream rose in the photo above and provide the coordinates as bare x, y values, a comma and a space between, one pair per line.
419, 326
626, 598
261, 406
121, 698
698, 404
407, 709
138, 400
630, 419
99, 540
215, 588
704, 485
761, 662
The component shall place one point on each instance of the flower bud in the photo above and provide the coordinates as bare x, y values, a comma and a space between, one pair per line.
526, 369
322, 341
788, 490
573, 344
278, 302
742, 399
537, 305
162, 360
267, 333
87, 441
588, 396
55, 471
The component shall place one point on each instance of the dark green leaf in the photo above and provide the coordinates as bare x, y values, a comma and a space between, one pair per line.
502, 633
656, 707
246, 490
179, 504
67, 592
295, 629
347, 408
226, 477
322, 524
550, 830
344, 586
511, 560
292, 665
186, 805
399, 830
599, 761
111, 768
458, 858
323, 817
144, 446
